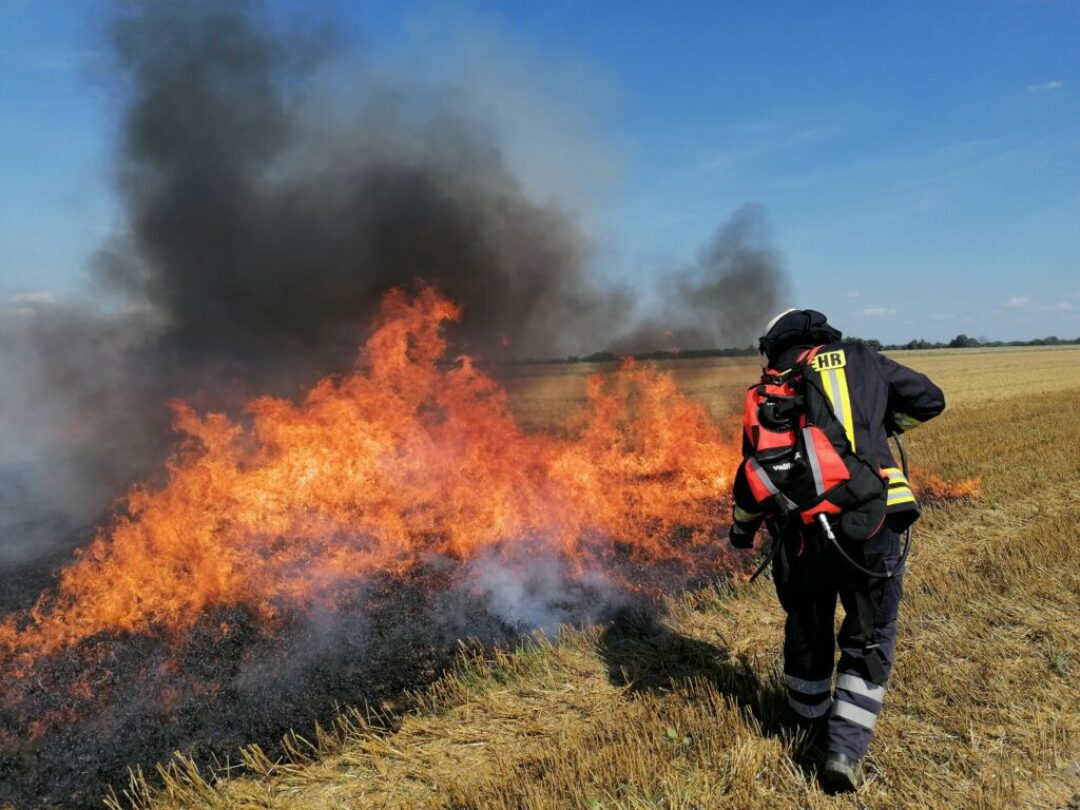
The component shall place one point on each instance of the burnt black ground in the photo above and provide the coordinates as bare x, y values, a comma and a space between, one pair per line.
225, 688
229, 683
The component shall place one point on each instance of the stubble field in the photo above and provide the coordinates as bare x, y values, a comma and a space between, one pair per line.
684, 711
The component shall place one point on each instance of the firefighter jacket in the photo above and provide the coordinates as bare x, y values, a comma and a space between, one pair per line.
872, 396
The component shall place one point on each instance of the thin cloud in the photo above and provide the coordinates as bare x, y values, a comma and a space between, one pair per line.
764, 144
877, 312
1060, 306
38, 297
1046, 87
1017, 302
54, 59
25, 305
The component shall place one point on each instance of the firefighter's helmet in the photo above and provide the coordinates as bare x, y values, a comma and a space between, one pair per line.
795, 327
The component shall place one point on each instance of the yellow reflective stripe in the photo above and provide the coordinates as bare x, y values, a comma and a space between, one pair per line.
845, 398
742, 516
835, 380
896, 477
900, 495
899, 489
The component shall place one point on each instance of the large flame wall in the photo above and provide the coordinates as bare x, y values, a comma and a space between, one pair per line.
410, 454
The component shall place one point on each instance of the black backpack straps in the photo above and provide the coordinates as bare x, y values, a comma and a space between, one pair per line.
807, 358
797, 374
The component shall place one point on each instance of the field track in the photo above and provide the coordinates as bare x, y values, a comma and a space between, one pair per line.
983, 710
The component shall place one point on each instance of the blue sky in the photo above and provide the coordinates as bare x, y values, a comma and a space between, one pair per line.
919, 161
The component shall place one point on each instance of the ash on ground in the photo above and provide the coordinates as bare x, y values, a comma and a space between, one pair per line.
82, 717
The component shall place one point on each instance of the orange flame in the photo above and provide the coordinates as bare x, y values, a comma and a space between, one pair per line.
405, 455
933, 489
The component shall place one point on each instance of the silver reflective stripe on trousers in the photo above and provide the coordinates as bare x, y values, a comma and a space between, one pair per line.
812, 459
853, 683
849, 711
808, 710
808, 687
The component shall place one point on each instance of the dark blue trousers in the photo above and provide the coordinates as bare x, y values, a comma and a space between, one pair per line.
808, 585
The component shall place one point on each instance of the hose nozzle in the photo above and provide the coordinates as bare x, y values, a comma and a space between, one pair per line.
825, 527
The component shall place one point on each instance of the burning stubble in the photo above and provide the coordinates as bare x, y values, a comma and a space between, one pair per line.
397, 458
318, 549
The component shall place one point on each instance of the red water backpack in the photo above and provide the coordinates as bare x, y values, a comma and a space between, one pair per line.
800, 462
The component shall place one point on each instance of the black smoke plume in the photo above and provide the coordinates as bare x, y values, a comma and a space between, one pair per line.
721, 300
264, 238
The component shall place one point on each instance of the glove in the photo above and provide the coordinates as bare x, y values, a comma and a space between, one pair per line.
897, 422
740, 539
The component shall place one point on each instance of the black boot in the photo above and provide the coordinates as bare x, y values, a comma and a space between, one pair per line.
841, 774
810, 747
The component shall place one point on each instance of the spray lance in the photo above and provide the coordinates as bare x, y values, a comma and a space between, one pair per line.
827, 531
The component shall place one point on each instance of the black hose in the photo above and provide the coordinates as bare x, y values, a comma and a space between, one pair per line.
899, 567
768, 559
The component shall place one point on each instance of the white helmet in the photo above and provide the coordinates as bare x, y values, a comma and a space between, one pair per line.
775, 320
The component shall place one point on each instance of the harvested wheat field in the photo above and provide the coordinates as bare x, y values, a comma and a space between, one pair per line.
683, 710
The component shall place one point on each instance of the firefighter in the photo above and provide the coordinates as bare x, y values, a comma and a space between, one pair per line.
872, 396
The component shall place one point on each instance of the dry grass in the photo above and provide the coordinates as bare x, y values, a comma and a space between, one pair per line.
983, 710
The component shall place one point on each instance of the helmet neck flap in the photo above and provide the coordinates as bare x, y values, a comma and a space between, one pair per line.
796, 327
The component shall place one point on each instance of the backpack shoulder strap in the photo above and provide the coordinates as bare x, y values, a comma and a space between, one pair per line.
803, 362
808, 356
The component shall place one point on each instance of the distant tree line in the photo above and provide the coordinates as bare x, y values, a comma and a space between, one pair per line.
963, 342
959, 342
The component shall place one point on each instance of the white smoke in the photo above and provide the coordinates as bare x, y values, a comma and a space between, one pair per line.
529, 585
